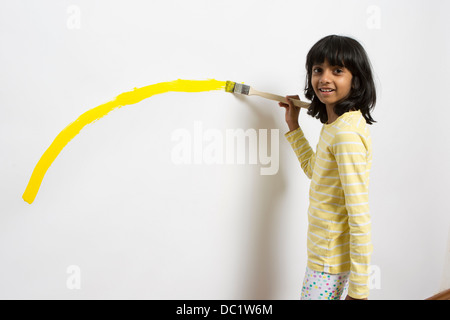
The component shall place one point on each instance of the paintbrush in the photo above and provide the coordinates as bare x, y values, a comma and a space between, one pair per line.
241, 88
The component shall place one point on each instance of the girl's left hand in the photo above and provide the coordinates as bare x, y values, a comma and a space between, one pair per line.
292, 112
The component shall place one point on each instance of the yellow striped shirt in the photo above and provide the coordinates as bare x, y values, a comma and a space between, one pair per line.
339, 224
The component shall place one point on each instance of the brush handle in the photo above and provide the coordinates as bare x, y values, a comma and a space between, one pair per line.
275, 97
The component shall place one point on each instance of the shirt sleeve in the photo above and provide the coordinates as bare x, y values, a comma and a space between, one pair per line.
303, 150
351, 153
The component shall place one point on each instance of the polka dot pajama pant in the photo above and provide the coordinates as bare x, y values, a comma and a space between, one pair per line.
324, 286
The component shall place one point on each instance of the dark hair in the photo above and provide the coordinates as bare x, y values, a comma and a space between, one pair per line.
344, 52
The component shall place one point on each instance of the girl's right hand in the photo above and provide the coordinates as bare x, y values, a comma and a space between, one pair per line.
292, 112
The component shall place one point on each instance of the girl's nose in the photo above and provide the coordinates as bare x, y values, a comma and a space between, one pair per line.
325, 78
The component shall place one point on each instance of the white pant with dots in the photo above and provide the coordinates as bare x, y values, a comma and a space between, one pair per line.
324, 286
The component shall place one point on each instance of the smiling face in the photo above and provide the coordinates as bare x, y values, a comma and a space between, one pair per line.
331, 84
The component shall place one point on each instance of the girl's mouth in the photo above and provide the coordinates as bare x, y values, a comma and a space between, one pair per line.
326, 92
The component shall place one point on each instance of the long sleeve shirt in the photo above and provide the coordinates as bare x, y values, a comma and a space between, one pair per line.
339, 223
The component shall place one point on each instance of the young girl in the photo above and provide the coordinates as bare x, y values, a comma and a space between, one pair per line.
342, 93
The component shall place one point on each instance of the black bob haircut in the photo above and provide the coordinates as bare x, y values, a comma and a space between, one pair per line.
344, 52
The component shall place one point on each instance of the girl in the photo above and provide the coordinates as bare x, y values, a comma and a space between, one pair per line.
342, 93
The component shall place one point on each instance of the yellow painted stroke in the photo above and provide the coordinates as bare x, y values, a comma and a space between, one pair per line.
124, 99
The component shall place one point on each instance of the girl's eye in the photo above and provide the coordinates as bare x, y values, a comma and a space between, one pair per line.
339, 70
316, 70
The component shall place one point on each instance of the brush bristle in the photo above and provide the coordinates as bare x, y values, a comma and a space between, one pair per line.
229, 86
241, 88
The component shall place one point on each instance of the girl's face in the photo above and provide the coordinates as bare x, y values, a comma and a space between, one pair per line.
331, 84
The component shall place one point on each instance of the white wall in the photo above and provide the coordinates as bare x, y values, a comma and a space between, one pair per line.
137, 225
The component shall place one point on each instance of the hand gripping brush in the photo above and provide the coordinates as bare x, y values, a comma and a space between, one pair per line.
241, 88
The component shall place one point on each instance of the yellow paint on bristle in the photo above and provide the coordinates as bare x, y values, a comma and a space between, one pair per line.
229, 86
124, 99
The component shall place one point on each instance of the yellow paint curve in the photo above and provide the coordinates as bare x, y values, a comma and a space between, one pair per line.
124, 99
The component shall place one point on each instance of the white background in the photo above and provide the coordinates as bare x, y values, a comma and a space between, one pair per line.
113, 202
